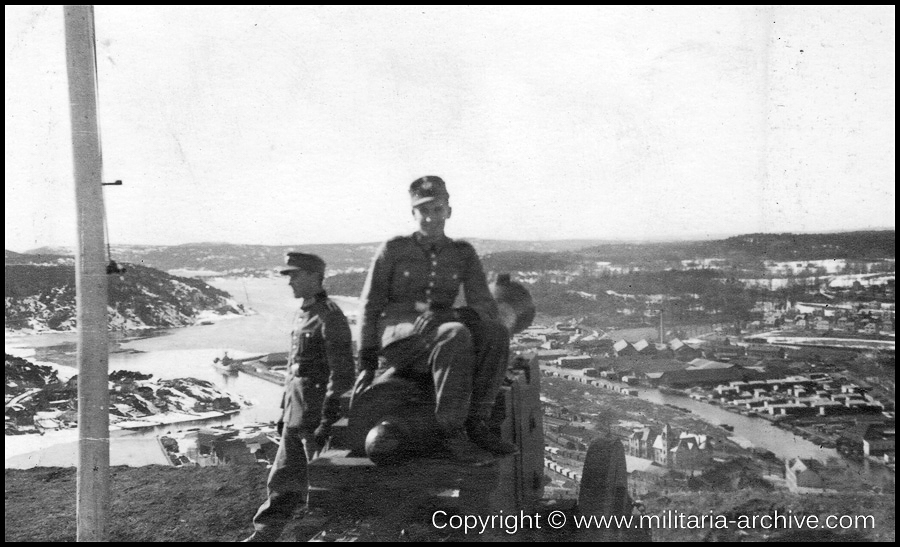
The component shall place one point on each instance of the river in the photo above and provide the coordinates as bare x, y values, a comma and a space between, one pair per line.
761, 433
172, 353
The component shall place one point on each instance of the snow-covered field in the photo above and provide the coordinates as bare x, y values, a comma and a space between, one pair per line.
841, 342
27, 451
842, 281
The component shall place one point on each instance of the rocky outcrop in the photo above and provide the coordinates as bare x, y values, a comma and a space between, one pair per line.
41, 296
36, 399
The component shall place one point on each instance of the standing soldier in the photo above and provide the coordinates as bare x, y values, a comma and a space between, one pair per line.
320, 371
408, 317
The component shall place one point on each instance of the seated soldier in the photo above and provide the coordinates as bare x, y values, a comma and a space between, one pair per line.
408, 318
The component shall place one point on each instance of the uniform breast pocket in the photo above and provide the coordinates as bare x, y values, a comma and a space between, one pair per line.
310, 346
448, 282
406, 276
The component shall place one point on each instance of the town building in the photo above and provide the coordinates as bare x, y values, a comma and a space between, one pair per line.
803, 473
682, 351
623, 348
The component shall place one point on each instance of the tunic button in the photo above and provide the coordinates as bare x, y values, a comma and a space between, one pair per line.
431, 283
434, 262
433, 274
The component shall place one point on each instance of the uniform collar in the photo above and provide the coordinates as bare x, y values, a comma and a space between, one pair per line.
438, 243
310, 302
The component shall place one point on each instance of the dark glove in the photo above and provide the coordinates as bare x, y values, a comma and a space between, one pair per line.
363, 381
430, 320
321, 435
470, 318
279, 426
368, 359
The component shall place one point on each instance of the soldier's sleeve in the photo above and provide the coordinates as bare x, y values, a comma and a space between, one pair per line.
295, 348
291, 358
292, 355
374, 298
339, 353
478, 296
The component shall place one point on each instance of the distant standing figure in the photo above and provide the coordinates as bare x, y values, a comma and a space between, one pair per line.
320, 371
408, 317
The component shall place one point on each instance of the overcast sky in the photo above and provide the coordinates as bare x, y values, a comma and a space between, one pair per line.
276, 125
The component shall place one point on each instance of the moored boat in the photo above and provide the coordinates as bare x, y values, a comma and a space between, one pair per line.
226, 364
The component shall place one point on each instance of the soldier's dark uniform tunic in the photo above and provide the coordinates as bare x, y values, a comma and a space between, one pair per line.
408, 278
320, 366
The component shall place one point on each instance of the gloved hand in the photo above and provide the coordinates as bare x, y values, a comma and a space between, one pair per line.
470, 318
321, 435
467, 316
428, 321
368, 359
363, 381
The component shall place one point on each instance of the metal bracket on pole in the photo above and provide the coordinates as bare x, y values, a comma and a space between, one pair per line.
117, 183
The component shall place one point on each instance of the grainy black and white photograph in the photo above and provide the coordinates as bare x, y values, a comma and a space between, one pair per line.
450, 273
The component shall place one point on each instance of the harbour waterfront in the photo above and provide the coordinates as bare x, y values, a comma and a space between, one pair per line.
173, 353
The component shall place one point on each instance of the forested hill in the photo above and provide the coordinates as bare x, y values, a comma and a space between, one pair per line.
862, 245
868, 245
41, 296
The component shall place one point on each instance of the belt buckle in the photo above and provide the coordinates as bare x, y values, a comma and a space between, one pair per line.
422, 307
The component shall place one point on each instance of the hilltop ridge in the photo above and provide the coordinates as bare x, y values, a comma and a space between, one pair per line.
40, 295
242, 259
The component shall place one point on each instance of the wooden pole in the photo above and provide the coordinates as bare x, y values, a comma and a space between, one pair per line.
92, 506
